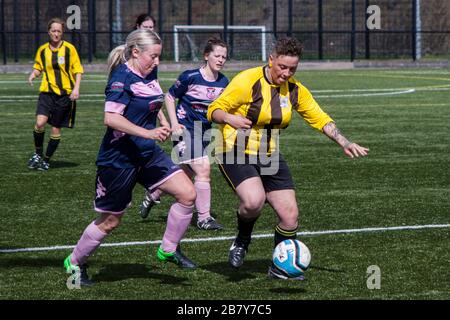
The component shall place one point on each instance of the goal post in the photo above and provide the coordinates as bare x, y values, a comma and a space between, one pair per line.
177, 29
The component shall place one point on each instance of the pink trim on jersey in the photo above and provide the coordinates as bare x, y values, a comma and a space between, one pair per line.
111, 106
160, 182
204, 92
137, 72
108, 211
117, 135
141, 89
203, 73
193, 161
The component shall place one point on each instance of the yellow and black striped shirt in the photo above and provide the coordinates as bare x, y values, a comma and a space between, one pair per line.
268, 106
59, 67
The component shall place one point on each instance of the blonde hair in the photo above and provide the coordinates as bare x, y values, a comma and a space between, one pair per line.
140, 39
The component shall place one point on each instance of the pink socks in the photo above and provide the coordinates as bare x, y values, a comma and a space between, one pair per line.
177, 223
203, 201
90, 240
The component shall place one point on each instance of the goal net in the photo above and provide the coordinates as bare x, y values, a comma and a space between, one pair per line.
245, 42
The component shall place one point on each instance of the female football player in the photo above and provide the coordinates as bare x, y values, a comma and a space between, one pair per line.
256, 104
195, 90
59, 90
129, 154
145, 21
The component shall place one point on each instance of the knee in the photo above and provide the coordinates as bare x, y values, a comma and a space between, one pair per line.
203, 174
39, 126
108, 223
187, 196
289, 218
56, 131
254, 204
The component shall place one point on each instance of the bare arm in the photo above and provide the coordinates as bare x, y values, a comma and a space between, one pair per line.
76, 88
162, 119
118, 122
33, 75
236, 121
177, 129
351, 149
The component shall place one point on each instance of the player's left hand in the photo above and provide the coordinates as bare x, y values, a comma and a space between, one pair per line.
177, 129
355, 150
74, 95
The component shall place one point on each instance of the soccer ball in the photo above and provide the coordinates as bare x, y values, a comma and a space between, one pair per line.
291, 257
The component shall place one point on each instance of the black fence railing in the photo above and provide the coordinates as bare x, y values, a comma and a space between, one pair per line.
329, 29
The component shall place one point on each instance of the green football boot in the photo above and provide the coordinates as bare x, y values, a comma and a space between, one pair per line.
175, 257
79, 273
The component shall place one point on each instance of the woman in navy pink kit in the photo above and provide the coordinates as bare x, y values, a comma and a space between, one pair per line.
195, 90
129, 154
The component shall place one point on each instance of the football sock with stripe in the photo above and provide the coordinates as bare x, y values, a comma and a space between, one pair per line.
245, 229
38, 135
52, 146
282, 234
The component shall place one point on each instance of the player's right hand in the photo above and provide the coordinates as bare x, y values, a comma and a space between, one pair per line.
160, 134
238, 122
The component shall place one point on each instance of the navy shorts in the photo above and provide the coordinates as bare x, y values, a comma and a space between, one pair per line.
274, 174
192, 144
60, 110
114, 186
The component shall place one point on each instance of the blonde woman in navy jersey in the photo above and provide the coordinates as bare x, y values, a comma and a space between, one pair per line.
195, 90
146, 21
252, 110
129, 154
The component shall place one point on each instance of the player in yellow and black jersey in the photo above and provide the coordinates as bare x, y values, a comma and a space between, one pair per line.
252, 110
59, 64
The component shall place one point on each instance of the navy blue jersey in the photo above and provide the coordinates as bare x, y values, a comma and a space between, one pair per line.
139, 100
195, 94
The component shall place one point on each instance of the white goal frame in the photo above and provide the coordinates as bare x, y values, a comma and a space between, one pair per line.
176, 28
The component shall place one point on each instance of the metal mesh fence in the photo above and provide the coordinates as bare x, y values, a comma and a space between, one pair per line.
329, 29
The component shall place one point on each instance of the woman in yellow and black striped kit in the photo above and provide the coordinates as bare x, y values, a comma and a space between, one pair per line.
59, 64
252, 110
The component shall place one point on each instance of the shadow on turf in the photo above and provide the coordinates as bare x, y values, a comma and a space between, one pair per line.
157, 217
31, 262
250, 270
284, 290
161, 216
123, 271
326, 269
62, 164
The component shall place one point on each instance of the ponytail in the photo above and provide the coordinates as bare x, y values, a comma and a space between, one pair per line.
116, 57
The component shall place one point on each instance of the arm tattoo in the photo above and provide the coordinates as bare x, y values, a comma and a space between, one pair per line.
335, 134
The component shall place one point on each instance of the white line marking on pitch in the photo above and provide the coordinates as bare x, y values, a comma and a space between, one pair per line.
25, 81
26, 98
255, 236
35, 97
367, 94
373, 92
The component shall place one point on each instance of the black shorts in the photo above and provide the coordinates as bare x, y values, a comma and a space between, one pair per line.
274, 172
60, 110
